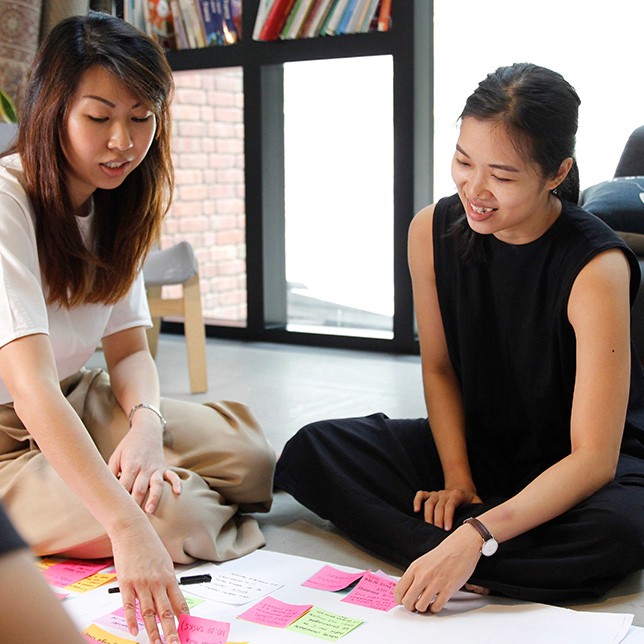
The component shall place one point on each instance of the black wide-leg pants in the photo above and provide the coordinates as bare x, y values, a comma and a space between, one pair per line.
362, 474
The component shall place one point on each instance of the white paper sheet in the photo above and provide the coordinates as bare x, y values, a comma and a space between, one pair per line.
492, 620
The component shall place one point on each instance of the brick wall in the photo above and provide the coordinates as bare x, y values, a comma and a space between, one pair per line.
208, 208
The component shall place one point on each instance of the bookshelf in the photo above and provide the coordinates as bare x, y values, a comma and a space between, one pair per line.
409, 43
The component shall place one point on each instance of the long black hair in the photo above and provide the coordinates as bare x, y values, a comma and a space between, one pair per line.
540, 108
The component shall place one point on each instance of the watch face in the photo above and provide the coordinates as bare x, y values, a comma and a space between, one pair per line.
489, 547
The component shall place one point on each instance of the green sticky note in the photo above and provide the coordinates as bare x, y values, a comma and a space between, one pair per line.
324, 625
193, 601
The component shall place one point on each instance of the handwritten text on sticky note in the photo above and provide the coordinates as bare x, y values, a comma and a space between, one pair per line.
70, 571
273, 612
233, 588
199, 630
91, 582
117, 619
330, 578
373, 591
94, 633
324, 625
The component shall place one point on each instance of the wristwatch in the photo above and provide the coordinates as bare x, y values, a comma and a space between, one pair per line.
490, 544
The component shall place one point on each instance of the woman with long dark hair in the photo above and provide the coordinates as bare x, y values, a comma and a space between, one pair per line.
527, 477
91, 464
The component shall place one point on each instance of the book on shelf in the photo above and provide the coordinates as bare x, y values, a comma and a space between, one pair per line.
312, 17
323, 19
229, 27
193, 23
384, 17
368, 15
332, 23
275, 19
186, 24
346, 21
154, 17
212, 22
260, 19
180, 35
294, 19
236, 13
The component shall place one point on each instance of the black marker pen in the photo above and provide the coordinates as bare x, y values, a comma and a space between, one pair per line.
183, 581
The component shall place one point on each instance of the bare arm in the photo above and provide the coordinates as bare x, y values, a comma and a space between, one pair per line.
138, 460
128, 358
441, 389
41, 618
143, 565
598, 310
28, 370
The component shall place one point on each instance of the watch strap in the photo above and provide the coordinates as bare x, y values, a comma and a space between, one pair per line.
486, 535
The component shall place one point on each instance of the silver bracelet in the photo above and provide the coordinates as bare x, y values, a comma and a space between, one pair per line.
151, 408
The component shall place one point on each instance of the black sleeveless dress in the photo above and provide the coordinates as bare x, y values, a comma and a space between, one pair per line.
513, 350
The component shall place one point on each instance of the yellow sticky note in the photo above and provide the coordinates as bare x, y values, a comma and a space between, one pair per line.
44, 563
89, 583
94, 633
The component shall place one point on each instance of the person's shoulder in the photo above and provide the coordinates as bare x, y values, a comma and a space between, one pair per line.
421, 227
12, 177
15, 206
587, 237
424, 216
445, 207
420, 238
11, 165
588, 225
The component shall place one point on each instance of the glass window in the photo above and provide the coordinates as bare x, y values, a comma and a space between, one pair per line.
338, 146
596, 46
208, 208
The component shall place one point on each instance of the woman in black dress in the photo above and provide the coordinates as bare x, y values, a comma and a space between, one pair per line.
527, 477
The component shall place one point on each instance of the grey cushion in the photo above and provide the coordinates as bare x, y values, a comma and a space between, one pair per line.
619, 202
174, 265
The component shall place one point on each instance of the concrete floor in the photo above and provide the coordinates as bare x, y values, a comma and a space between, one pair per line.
289, 386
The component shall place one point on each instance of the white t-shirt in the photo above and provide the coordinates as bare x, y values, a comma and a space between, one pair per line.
74, 333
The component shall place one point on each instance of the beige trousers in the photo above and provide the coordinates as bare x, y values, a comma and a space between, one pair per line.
219, 451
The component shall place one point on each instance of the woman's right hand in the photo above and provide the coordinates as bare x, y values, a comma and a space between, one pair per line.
439, 506
139, 464
145, 572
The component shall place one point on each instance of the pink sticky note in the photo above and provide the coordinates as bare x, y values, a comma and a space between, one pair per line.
373, 591
199, 630
329, 578
273, 612
116, 619
70, 571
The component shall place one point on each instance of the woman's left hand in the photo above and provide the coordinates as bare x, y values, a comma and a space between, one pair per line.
139, 463
431, 580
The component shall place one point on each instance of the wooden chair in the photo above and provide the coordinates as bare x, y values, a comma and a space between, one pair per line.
178, 266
